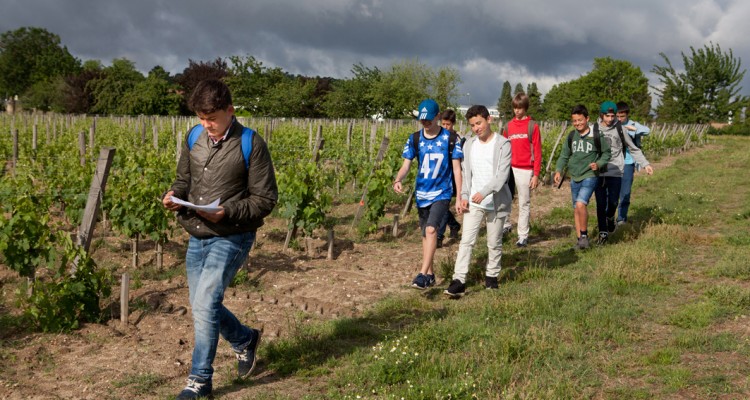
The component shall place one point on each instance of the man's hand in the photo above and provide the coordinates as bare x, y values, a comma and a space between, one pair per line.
213, 217
462, 206
557, 178
477, 198
649, 169
397, 187
534, 182
168, 203
594, 166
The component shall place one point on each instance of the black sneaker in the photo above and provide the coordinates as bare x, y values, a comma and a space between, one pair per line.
454, 231
603, 236
247, 355
440, 243
429, 279
490, 282
506, 230
419, 282
522, 243
196, 388
456, 289
611, 225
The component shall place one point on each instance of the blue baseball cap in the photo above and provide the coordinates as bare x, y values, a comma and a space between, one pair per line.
428, 109
608, 107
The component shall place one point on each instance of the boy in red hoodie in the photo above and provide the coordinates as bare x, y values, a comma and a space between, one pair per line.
526, 161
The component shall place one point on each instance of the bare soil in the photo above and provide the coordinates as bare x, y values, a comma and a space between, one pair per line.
284, 289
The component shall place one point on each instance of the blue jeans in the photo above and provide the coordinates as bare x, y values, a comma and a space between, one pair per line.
627, 184
448, 220
607, 196
211, 265
581, 191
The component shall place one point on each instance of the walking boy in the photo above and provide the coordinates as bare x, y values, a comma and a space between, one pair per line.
584, 154
439, 167
485, 171
526, 161
636, 132
213, 166
608, 188
448, 121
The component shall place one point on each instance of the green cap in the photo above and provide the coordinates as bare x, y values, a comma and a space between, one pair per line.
608, 107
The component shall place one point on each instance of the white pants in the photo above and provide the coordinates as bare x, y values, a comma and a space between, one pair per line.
470, 229
522, 179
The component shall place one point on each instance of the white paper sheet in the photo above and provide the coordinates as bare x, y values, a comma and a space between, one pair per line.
209, 208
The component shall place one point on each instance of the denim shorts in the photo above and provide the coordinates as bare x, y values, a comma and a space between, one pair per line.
581, 191
432, 214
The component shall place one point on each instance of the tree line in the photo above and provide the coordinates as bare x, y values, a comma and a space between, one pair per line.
36, 67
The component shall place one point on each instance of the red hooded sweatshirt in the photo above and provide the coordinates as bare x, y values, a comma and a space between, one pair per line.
518, 134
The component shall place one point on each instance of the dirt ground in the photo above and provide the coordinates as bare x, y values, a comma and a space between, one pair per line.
288, 288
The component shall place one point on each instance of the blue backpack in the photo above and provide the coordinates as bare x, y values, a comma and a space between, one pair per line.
247, 141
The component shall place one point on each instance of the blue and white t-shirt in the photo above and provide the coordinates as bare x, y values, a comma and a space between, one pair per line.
435, 173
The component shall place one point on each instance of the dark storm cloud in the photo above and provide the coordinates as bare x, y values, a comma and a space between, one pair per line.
488, 42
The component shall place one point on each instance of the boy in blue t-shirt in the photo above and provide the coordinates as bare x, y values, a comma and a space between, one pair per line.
438, 165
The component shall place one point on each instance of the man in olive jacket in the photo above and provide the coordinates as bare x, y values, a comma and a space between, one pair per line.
213, 167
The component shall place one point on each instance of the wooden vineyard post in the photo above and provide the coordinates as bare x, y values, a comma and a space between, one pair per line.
96, 193
134, 252
155, 133
378, 160
34, 135
349, 137
124, 297
14, 134
92, 136
82, 147
548, 176
330, 244
394, 230
409, 202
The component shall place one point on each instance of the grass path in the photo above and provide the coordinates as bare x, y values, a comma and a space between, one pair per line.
661, 312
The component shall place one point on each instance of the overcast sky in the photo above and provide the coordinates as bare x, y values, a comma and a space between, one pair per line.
488, 42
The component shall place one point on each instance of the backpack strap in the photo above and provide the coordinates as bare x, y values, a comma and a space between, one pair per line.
415, 145
622, 139
532, 124
246, 141
597, 139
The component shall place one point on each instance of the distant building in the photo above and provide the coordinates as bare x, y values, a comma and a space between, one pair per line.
461, 111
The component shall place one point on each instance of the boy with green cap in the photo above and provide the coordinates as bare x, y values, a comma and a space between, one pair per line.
608, 187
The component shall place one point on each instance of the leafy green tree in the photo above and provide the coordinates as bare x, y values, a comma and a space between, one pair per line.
77, 94
251, 83
111, 88
31, 55
708, 89
289, 98
152, 96
615, 80
518, 89
505, 103
535, 101
401, 88
352, 98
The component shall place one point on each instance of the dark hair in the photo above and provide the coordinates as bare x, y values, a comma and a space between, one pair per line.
520, 100
448, 115
209, 96
623, 107
477, 110
579, 109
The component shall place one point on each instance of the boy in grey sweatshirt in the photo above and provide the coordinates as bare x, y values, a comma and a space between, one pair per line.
608, 187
